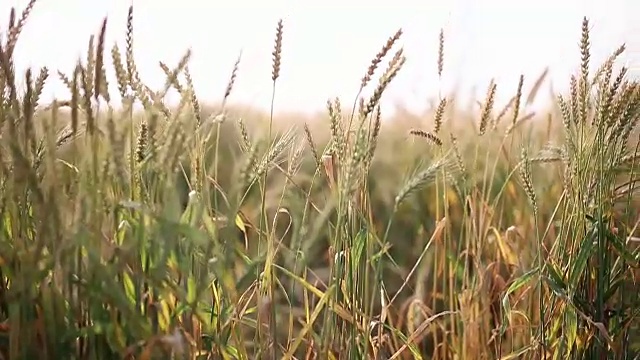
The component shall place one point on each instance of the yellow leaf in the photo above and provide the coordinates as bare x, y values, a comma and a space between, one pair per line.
506, 251
452, 197
165, 316
241, 224
511, 189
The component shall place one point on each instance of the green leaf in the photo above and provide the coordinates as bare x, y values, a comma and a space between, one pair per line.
357, 251
194, 212
191, 289
570, 326
129, 288
622, 249
586, 250
458, 265
555, 281
515, 286
613, 287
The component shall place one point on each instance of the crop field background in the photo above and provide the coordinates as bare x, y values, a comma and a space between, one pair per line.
135, 229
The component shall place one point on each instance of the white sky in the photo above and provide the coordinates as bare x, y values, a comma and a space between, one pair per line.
328, 45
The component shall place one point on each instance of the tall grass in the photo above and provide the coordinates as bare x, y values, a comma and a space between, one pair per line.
192, 232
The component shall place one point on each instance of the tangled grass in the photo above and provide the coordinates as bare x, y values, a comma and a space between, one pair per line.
191, 233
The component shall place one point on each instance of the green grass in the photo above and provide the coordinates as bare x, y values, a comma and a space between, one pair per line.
196, 233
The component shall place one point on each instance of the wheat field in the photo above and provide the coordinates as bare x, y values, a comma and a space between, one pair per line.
211, 231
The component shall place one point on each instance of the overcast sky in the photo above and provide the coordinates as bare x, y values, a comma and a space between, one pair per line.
328, 45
